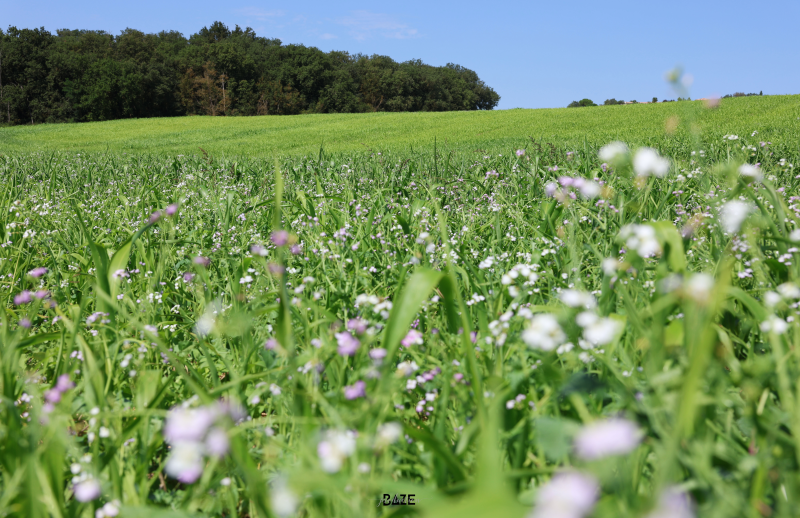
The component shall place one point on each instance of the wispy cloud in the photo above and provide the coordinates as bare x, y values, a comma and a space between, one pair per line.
261, 14
366, 24
328, 36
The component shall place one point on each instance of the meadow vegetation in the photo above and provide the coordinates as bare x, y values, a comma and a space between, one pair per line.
569, 326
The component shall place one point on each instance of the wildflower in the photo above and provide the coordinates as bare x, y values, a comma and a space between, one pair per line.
772, 299
567, 495
202, 261
259, 250
279, 238
544, 333
38, 272
673, 503
23, 297
357, 325
296, 249
41, 294
597, 330
407, 368
751, 173
789, 290
185, 462
411, 338
282, 500
388, 433
171, 210
334, 450
520, 152
614, 436
577, 299
155, 216
205, 324
378, 353
794, 235
184, 424
271, 344
348, 344
355, 390
109, 510
188, 277
217, 442
613, 151
610, 266
647, 162
589, 189
641, 238
25, 323
774, 324
733, 214
699, 287
86, 490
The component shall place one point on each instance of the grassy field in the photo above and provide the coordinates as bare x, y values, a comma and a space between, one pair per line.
565, 331
776, 118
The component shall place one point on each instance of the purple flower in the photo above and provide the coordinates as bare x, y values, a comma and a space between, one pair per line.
520, 152
185, 462
202, 261
23, 297
569, 494
550, 189
52, 396
63, 383
355, 390
188, 277
275, 269
348, 344
378, 353
271, 344
258, 250
217, 442
184, 424
87, 490
296, 249
171, 210
411, 338
25, 322
155, 216
38, 272
41, 294
473, 335
357, 325
280, 237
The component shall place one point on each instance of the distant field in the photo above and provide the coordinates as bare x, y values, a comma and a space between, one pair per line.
776, 118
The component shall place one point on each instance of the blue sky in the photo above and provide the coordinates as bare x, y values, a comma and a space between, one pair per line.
535, 54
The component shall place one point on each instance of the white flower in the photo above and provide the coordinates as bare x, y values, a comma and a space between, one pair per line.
609, 266
544, 333
567, 495
789, 290
612, 151
733, 214
590, 189
614, 436
751, 173
772, 299
185, 461
641, 238
282, 500
86, 490
647, 162
597, 330
407, 368
775, 325
577, 299
335, 449
794, 235
698, 287
109, 510
388, 433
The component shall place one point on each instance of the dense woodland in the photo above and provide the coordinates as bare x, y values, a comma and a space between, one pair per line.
82, 75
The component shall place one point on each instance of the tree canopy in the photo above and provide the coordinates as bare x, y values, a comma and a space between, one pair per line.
82, 75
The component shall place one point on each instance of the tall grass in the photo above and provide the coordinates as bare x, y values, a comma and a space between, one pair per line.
224, 367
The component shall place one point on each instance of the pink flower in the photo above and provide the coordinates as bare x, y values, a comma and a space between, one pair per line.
520, 152
217, 442
378, 353
271, 344
52, 396
87, 490
41, 294
357, 325
25, 322
23, 297
280, 237
171, 209
185, 462
348, 344
155, 216
38, 272
413, 337
614, 436
355, 390
185, 424
296, 249
64, 383
188, 277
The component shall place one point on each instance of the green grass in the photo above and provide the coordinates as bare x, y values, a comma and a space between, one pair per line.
693, 340
777, 118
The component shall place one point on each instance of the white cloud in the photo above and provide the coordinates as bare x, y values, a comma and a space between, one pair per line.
328, 36
365, 24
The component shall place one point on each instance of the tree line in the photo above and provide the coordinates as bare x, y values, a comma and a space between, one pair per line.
83, 75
